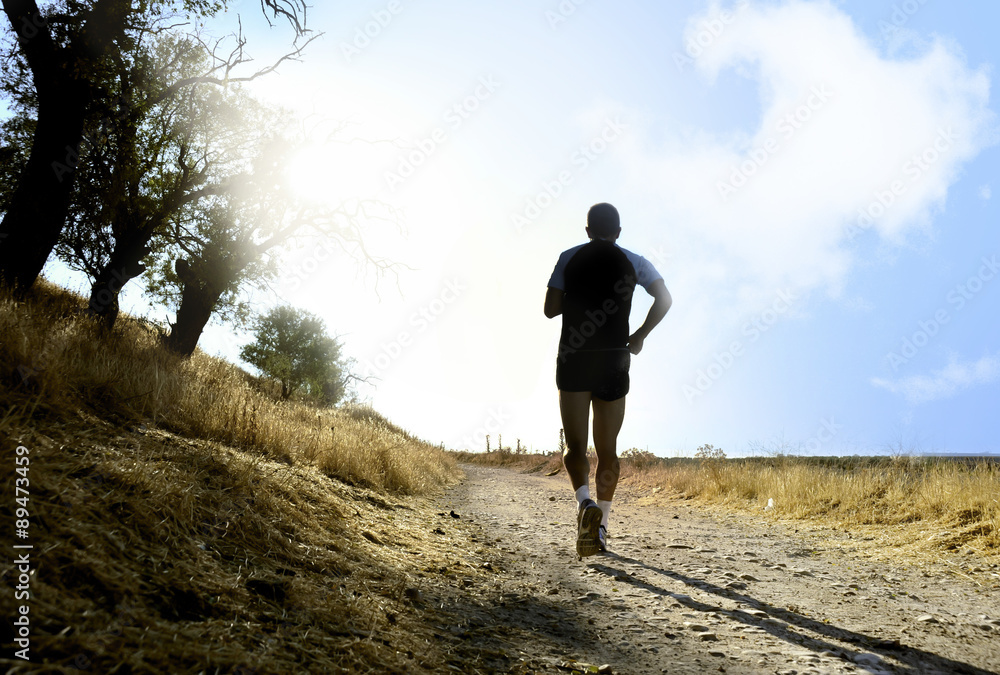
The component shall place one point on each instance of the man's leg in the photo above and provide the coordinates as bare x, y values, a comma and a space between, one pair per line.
608, 416
575, 409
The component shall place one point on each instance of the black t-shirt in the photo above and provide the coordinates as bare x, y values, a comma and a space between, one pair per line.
598, 278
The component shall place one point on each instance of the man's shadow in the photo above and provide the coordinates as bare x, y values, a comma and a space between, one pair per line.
916, 661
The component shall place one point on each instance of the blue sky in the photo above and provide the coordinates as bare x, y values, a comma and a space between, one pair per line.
742, 143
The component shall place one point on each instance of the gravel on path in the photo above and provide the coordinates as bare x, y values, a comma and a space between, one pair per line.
685, 590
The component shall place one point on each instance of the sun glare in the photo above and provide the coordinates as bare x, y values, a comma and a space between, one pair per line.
333, 173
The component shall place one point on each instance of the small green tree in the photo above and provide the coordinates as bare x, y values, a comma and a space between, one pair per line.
292, 347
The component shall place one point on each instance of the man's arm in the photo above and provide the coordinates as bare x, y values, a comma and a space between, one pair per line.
661, 304
553, 302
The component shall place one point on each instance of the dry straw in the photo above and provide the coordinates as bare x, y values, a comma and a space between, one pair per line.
956, 502
183, 521
52, 351
930, 504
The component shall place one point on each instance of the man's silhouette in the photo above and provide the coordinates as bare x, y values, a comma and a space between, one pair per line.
592, 287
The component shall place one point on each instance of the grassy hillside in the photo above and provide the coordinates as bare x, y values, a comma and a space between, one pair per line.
56, 357
183, 521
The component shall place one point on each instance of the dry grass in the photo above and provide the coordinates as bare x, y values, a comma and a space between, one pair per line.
63, 359
154, 553
932, 504
183, 521
959, 502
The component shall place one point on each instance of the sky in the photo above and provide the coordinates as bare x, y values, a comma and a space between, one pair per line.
812, 179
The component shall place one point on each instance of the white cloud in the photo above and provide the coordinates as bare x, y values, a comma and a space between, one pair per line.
944, 383
986, 192
840, 125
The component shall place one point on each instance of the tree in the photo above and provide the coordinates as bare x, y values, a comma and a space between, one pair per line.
237, 238
172, 136
292, 347
217, 246
66, 51
154, 154
177, 139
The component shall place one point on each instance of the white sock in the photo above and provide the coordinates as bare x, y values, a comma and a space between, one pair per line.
605, 505
582, 493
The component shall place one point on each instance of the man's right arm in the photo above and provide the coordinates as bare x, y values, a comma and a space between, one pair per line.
553, 302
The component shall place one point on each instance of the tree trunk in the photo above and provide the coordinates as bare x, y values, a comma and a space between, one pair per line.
196, 308
199, 299
124, 264
37, 212
40, 202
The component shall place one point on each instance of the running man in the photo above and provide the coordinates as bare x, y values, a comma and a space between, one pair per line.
592, 287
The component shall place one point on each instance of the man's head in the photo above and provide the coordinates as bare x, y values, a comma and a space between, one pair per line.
603, 222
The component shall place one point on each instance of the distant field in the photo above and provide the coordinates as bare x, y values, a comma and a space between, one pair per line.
932, 502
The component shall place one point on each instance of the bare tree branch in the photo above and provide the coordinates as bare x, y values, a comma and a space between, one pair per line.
294, 11
235, 59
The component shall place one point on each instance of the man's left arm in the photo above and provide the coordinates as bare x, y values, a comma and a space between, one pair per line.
661, 305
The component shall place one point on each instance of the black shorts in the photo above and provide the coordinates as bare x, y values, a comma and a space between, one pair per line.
603, 372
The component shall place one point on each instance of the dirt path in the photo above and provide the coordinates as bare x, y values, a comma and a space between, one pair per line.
684, 591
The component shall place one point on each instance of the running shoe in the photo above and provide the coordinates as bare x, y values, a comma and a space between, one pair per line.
589, 526
602, 539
